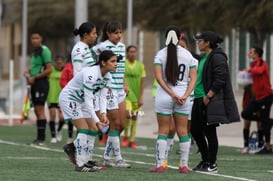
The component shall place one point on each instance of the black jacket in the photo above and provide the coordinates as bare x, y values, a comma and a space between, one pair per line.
222, 108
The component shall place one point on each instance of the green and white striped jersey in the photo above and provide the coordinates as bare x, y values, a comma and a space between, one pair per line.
81, 57
118, 49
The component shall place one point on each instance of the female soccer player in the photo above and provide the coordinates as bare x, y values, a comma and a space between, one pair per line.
173, 66
81, 57
76, 102
116, 111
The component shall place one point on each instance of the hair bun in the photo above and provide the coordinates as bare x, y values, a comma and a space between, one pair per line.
76, 31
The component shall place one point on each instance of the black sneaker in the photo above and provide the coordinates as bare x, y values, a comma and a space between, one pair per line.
212, 168
70, 149
94, 165
264, 151
85, 168
37, 143
200, 166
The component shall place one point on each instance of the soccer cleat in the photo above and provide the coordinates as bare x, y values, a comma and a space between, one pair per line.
244, 151
94, 165
157, 169
184, 169
59, 136
133, 145
37, 143
124, 141
101, 142
122, 164
106, 163
165, 164
70, 149
53, 140
264, 151
85, 168
200, 166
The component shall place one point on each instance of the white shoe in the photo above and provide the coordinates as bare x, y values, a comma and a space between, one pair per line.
53, 140
69, 140
59, 136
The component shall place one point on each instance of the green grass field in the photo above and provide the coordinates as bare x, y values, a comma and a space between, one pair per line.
21, 162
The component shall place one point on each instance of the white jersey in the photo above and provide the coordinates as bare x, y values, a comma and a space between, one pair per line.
185, 62
118, 49
81, 57
164, 102
82, 89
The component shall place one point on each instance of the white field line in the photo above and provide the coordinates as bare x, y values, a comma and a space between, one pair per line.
131, 161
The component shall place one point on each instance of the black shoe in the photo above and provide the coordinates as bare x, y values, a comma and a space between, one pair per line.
70, 149
200, 166
212, 168
264, 151
37, 143
94, 165
85, 168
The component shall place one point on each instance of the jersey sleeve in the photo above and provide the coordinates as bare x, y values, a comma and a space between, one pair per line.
194, 63
157, 60
97, 49
77, 60
103, 93
46, 55
89, 96
143, 71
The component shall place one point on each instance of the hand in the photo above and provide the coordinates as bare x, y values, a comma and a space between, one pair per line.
126, 89
206, 100
100, 125
104, 119
30, 80
140, 102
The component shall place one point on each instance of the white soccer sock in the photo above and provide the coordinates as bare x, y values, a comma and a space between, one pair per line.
161, 150
90, 145
184, 146
81, 149
169, 148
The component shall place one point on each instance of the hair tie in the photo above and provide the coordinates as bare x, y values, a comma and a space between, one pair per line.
171, 38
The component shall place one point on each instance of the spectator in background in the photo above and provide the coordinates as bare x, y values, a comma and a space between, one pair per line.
53, 98
37, 78
134, 77
263, 96
66, 76
214, 101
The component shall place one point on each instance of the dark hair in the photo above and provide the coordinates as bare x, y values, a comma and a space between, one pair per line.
171, 69
104, 56
37, 32
59, 57
86, 27
258, 50
129, 47
183, 38
110, 27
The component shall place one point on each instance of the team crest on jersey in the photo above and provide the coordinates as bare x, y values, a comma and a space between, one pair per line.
110, 103
75, 113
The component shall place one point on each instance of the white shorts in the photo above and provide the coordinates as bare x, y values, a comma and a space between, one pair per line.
73, 110
115, 97
165, 105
